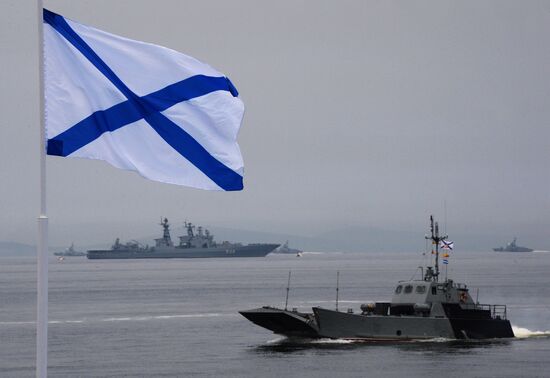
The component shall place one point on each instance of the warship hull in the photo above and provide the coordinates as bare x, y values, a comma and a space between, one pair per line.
252, 250
516, 249
324, 323
512, 247
69, 254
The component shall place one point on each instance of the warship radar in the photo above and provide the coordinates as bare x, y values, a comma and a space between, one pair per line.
424, 308
197, 243
512, 247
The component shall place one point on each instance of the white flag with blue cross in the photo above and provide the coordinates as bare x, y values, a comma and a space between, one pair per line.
447, 244
139, 107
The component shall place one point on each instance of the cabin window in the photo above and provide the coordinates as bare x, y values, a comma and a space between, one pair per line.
421, 289
408, 289
434, 290
398, 289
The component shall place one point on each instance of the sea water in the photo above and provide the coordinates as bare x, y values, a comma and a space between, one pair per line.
179, 318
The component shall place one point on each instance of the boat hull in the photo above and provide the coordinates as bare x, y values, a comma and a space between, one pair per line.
342, 325
324, 323
517, 249
283, 322
252, 250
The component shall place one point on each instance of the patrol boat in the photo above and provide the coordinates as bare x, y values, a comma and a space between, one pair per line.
287, 250
198, 244
425, 308
70, 252
512, 247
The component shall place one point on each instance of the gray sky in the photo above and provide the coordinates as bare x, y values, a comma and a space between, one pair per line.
358, 113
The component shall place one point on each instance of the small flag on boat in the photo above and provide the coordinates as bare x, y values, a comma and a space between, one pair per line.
139, 107
445, 261
445, 255
446, 244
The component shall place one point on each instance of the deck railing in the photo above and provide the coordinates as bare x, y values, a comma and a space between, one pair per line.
497, 311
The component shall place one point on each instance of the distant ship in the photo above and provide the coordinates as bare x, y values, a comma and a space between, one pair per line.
193, 245
423, 308
512, 247
70, 252
287, 250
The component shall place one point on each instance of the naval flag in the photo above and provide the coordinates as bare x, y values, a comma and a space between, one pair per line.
139, 107
447, 244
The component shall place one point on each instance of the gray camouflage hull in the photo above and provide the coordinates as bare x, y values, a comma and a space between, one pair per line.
332, 324
251, 250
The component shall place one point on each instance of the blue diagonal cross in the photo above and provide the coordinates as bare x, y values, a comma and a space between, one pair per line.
149, 108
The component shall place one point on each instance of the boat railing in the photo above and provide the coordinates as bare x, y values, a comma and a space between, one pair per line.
496, 311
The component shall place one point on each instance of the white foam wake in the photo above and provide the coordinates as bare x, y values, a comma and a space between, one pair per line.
523, 333
277, 341
164, 317
435, 340
333, 341
123, 319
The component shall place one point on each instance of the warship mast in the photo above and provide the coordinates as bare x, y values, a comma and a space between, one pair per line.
166, 240
436, 239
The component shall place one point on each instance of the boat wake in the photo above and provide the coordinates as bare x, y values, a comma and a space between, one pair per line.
282, 341
436, 340
524, 333
163, 317
294, 344
333, 341
290, 343
124, 319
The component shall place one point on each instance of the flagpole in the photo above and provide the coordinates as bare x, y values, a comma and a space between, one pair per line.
42, 243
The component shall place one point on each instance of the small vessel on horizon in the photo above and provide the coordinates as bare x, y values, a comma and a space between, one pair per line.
198, 244
285, 249
512, 247
71, 252
422, 308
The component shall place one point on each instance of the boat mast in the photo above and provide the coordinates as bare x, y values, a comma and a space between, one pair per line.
337, 287
166, 232
436, 239
287, 290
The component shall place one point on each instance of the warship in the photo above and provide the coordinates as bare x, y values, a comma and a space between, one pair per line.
287, 250
199, 244
425, 308
71, 252
512, 247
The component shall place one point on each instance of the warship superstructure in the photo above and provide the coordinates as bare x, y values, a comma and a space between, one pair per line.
424, 308
70, 252
287, 250
512, 247
199, 244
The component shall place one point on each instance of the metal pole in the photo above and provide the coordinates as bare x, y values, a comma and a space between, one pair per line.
337, 287
287, 290
42, 246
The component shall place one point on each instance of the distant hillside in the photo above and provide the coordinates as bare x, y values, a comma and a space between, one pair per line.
346, 239
16, 249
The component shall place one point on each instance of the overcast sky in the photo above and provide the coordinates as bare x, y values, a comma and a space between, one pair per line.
358, 113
